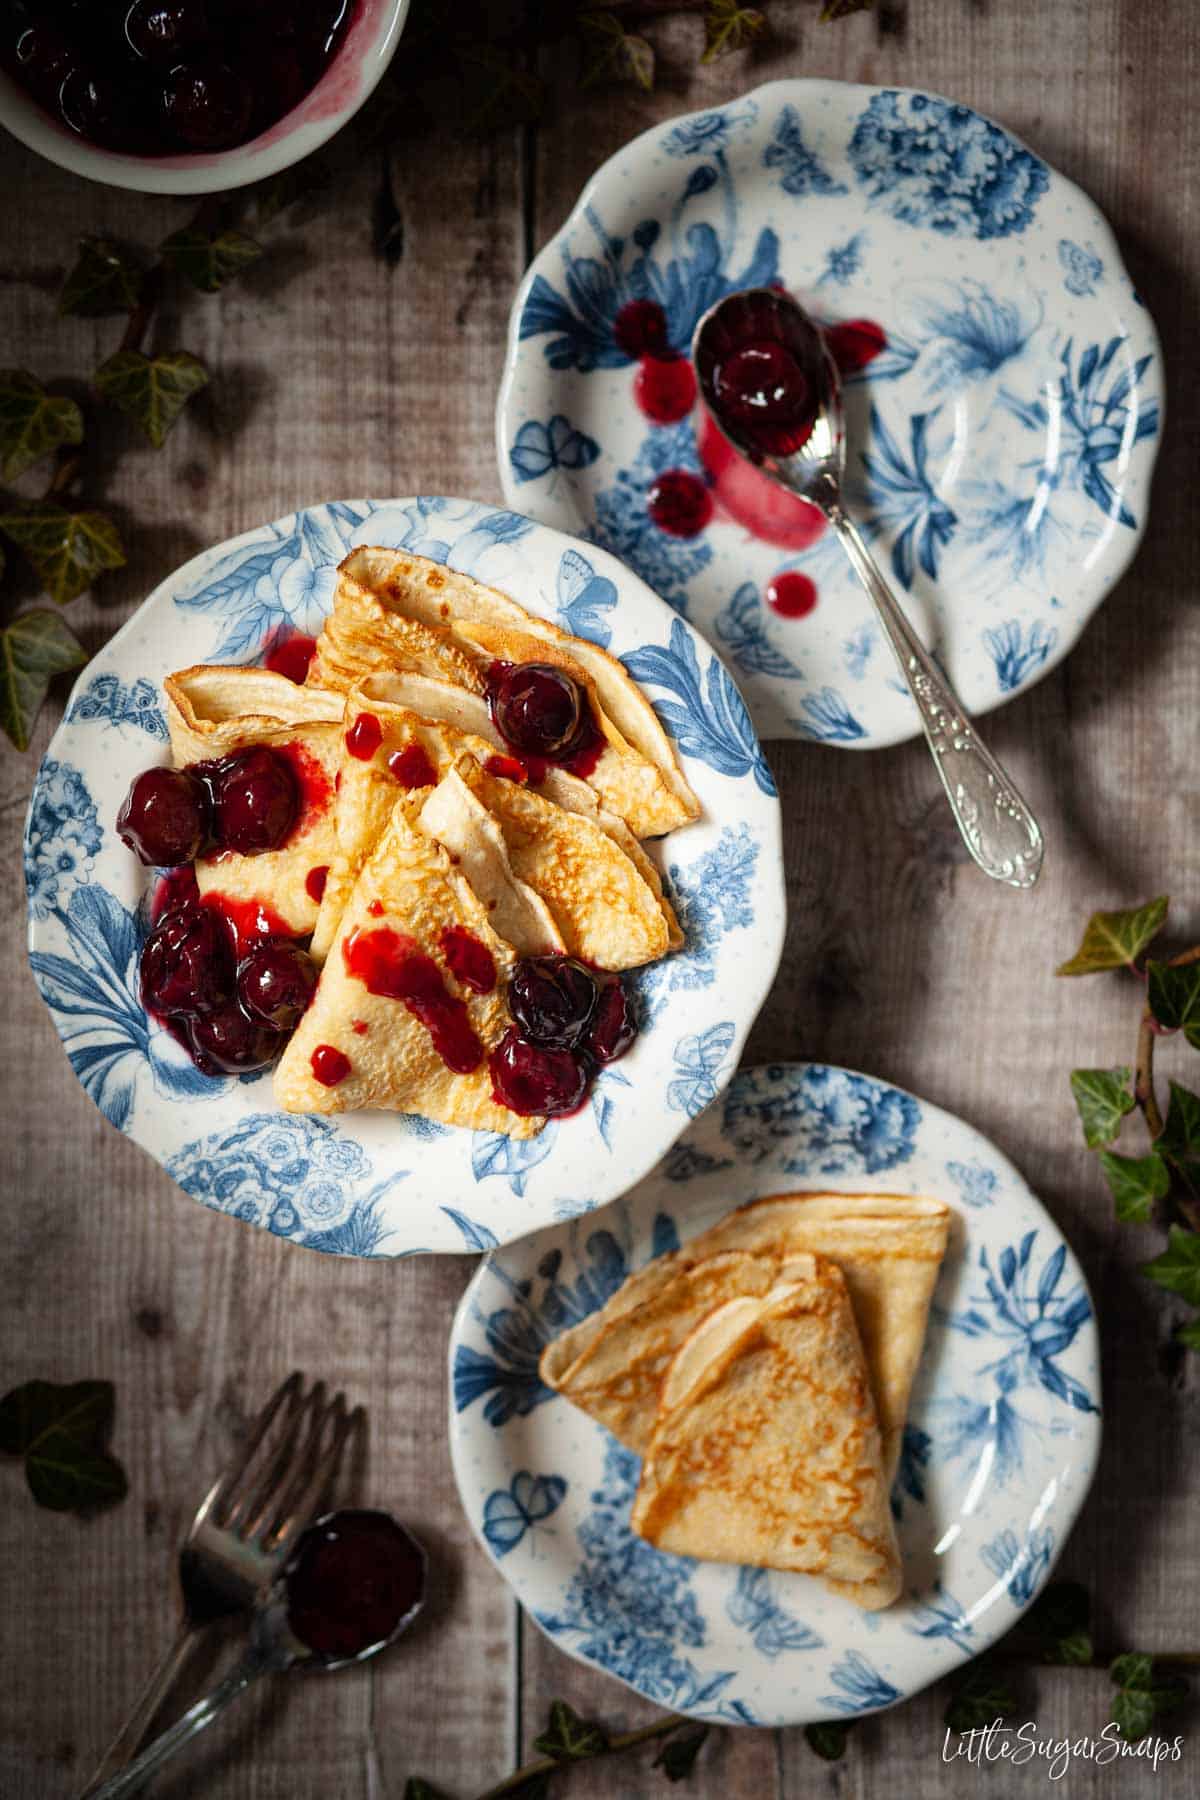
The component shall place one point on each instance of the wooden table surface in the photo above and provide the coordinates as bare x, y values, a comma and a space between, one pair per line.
337, 374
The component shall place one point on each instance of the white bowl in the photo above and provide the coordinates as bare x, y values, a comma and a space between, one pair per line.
350, 78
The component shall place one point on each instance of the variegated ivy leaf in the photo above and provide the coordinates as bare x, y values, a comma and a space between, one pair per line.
613, 54
152, 389
67, 549
209, 261
1178, 1268
33, 423
729, 27
1103, 1097
1136, 1183
104, 280
37, 646
1173, 996
1113, 940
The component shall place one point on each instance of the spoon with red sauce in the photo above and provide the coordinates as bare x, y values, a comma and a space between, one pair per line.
772, 388
353, 1583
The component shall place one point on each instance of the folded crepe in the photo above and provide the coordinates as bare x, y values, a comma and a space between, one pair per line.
213, 711
888, 1246
599, 891
766, 1450
391, 1025
394, 611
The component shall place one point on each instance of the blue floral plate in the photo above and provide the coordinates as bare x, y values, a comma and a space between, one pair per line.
1002, 433
1001, 1444
386, 1184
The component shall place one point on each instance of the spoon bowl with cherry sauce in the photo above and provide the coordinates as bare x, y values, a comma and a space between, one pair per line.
353, 1583
773, 390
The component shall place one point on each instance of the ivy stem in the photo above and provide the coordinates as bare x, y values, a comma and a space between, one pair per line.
546, 1765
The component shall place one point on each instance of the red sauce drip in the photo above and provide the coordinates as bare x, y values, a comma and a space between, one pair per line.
752, 499
855, 343
792, 595
412, 767
640, 328
364, 737
680, 503
314, 883
359, 1026
172, 890
352, 1579
393, 965
291, 656
665, 388
316, 789
507, 767
329, 1065
376, 909
249, 920
468, 959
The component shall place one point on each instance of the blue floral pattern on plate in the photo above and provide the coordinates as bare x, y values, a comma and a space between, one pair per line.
996, 1458
1001, 443
377, 1184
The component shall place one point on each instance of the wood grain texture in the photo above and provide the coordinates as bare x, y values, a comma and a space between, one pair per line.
335, 375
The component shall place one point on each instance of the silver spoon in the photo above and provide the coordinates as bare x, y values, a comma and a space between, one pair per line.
997, 826
272, 1649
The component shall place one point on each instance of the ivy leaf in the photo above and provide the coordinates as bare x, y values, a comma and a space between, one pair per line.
1180, 1135
1058, 1623
67, 549
152, 390
568, 1738
37, 646
1133, 1713
1189, 1334
1141, 1699
979, 1698
1112, 940
1173, 996
729, 27
828, 1738
1103, 1097
677, 1758
61, 1433
613, 54
104, 281
208, 261
1136, 1183
32, 422
1178, 1268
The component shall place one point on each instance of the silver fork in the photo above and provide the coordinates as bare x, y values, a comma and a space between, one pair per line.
244, 1528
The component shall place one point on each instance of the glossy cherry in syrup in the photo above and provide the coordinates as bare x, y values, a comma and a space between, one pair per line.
166, 31
614, 1024
226, 1042
537, 707
552, 999
187, 963
255, 799
351, 1582
529, 1079
164, 818
275, 982
762, 372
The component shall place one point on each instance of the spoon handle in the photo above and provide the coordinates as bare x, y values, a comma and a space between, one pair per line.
997, 827
132, 1778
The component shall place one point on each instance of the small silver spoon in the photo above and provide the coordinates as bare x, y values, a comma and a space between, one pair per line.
272, 1649
997, 826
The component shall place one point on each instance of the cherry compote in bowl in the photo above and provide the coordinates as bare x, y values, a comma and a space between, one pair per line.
188, 96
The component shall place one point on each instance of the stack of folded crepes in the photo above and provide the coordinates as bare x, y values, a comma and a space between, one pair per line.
417, 817
762, 1372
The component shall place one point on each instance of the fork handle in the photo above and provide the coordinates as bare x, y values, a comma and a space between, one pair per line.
997, 826
128, 1740
134, 1777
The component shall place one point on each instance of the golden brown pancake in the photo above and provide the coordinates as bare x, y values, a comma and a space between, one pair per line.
766, 1450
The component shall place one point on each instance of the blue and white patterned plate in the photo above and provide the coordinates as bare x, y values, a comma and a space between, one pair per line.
1001, 1444
1000, 447
386, 1184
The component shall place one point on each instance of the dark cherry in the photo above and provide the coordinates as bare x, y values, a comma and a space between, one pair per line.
614, 1026
529, 1079
640, 328
165, 31
91, 104
275, 983
187, 963
255, 800
679, 503
164, 817
225, 1041
43, 58
537, 707
207, 105
552, 999
763, 383
352, 1580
